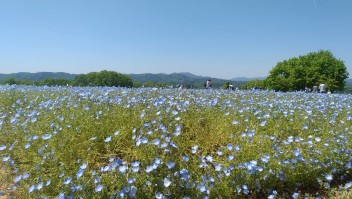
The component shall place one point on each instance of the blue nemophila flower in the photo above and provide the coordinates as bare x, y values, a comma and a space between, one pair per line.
34, 119
27, 146
263, 123
159, 195
136, 163
131, 180
67, 181
245, 189
18, 179
99, 188
229, 147
167, 182
148, 183
79, 173
31, 188
61, 196
40, 186
227, 171
230, 157
235, 122
108, 139
96, 179
265, 159
295, 195
149, 169
296, 152
46, 136
209, 158
184, 174
48, 182
6, 158
25, 176
170, 165
144, 140
218, 167
133, 192
105, 168
61, 174
329, 177
83, 166
201, 187
122, 168
185, 158
156, 141
194, 149
2, 147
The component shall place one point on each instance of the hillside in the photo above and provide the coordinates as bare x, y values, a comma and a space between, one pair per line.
186, 79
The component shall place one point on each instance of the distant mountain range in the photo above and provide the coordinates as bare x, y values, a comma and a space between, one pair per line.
173, 78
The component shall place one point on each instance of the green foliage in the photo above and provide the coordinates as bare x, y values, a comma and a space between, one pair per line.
308, 70
54, 82
260, 84
36, 77
103, 78
13, 81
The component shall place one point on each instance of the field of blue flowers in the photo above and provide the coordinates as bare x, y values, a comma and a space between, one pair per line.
103, 142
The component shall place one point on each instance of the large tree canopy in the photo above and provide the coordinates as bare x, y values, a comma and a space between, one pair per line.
103, 78
308, 70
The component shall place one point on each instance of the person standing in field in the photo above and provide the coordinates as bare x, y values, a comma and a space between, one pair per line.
315, 89
208, 84
322, 88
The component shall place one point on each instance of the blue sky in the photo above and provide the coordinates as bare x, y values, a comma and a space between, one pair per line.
217, 38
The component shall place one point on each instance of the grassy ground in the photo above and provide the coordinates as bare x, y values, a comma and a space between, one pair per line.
106, 142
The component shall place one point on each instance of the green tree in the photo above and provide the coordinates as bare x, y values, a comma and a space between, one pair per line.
11, 81
103, 78
260, 84
54, 82
308, 70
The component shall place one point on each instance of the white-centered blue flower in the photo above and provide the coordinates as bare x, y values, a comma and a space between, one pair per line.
67, 181
46, 136
99, 188
80, 173
108, 139
2, 147
31, 188
167, 182
122, 168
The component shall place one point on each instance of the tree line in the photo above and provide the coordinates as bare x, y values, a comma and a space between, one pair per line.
294, 74
111, 78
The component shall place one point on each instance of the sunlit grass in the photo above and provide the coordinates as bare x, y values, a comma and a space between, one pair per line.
155, 143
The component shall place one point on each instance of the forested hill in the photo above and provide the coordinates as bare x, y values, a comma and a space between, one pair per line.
186, 79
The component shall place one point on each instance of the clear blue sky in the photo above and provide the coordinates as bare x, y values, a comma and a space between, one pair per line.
217, 38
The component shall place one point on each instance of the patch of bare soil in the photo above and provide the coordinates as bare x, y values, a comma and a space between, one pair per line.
3, 182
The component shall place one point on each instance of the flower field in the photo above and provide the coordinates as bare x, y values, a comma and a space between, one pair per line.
104, 142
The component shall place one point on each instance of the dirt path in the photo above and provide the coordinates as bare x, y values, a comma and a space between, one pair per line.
3, 181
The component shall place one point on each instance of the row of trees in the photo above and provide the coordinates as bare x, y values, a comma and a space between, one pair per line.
102, 78
289, 75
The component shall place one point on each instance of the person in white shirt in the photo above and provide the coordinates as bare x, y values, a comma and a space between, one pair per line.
322, 88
